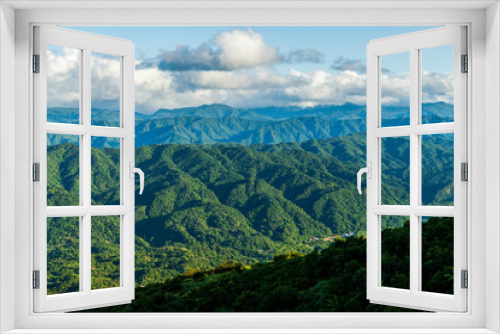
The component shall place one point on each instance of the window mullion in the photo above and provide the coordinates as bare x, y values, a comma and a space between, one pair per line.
86, 168
82, 182
415, 297
414, 172
85, 263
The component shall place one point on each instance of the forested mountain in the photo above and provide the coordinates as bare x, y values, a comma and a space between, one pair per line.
227, 186
331, 280
192, 130
206, 204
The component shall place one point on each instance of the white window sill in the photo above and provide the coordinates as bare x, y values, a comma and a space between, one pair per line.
250, 331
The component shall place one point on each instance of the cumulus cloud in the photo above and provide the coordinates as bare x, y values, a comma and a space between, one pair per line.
63, 71
244, 49
348, 64
395, 89
351, 64
305, 56
246, 85
321, 87
244, 79
437, 87
153, 89
105, 81
181, 89
229, 50
260, 87
183, 58
63, 79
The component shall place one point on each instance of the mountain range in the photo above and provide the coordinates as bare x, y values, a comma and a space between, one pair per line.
228, 188
206, 204
209, 124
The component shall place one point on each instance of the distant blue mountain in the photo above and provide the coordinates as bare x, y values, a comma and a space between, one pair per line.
219, 123
337, 112
209, 111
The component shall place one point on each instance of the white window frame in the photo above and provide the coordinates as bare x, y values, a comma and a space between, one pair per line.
85, 298
483, 247
412, 44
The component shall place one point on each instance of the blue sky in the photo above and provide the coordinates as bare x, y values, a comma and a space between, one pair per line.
334, 42
305, 66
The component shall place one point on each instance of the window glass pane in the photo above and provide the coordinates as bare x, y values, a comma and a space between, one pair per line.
63, 84
105, 78
63, 255
395, 167
437, 169
395, 89
437, 84
105, 171
105, 252
437, 254
395, 251
63, 170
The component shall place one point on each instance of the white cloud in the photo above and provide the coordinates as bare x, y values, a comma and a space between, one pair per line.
63, 79
245, 87
437, 87
227, 51
63, 71
321, 87
348, 64
244, 49
105, 81
152, 89
243, 79
395, 90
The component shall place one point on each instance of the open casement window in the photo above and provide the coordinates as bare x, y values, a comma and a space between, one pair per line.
83, 196
417, 209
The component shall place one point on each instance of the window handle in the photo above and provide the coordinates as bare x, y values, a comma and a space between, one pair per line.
134, 170
368, 171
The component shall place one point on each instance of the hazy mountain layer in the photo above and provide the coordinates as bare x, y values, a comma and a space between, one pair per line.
211, 124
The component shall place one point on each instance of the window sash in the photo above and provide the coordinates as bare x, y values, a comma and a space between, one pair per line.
86, 297
414, 298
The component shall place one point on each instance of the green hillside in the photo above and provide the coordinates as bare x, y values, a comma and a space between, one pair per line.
228, 190
207, 204
331, 280
194, 130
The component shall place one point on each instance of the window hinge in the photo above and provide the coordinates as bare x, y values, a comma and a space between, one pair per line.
465, 64
36, 279
36, 63
464, 168
465, 279
36, 172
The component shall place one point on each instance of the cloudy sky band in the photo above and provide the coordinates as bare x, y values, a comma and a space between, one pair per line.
238, 67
